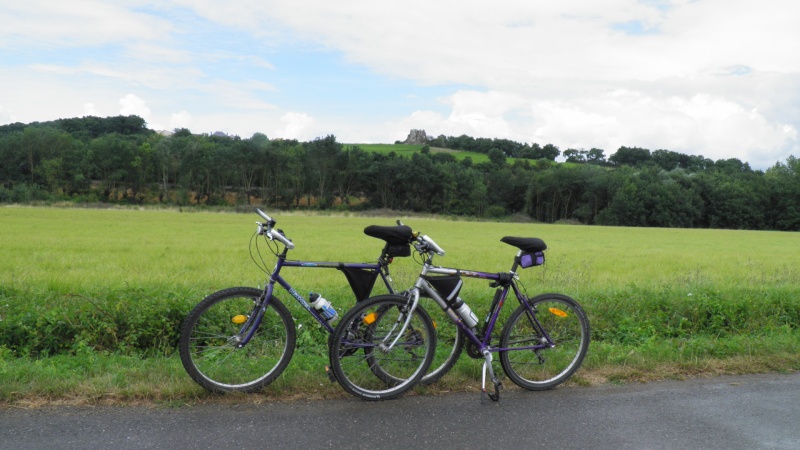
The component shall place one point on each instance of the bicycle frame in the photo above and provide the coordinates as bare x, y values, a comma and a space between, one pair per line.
252, 325
494, 311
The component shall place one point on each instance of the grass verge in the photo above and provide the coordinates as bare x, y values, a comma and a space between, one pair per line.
109, 379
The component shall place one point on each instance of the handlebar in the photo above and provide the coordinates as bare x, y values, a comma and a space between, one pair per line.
426, 245
432, 245
272, 234
264, 216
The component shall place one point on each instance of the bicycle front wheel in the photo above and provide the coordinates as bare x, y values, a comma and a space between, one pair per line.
211, 333
449, 341
362, 356
557, 317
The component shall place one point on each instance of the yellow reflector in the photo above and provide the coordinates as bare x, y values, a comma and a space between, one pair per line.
558, 312
370, 318
434, 324
240, 319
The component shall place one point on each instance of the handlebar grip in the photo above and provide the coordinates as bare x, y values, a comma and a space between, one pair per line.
433, 245
274, 234
263, 216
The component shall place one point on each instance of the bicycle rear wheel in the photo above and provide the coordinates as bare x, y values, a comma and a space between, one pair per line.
360, 348
211, 333
555, 316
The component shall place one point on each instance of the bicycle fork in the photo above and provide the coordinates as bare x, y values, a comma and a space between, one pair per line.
414, 301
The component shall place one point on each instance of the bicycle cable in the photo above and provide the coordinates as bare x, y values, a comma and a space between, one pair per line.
522, 285
263, 265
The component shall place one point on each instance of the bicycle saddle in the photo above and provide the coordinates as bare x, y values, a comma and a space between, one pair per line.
530, 245
395, 235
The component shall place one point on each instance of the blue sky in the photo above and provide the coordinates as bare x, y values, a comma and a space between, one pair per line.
718, 78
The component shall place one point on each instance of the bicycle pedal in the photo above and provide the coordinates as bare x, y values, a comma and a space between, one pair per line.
331, 375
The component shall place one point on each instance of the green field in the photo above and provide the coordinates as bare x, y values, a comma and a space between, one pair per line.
91, 300
407, 150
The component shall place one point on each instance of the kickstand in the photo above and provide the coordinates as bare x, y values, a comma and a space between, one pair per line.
487, 365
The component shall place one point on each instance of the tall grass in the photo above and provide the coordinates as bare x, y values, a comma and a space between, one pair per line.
78, 284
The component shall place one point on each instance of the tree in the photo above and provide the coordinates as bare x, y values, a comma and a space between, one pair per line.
598, 188
352, 166
14, 167
595, 156
630, 156
734, 202
113, 157
668, 160
732, 166
425, 184
197, 164
575, 156
783, 181
530, 152
322, 158
468, 190
168, 154
497, 157
247, 158
42, 143
550, 152
554, 194
387, 181
650, 197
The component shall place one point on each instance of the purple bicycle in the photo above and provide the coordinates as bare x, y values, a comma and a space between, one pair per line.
542, 343
240, 339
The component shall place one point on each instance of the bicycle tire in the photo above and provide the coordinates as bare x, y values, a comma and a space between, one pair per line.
356, 348
565, 322
449, 342
209, 335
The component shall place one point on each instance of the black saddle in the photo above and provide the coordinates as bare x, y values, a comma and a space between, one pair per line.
530, 245
394, 235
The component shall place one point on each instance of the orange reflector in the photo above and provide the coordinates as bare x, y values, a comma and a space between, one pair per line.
558, 312
240, 319
370, 318
434, 324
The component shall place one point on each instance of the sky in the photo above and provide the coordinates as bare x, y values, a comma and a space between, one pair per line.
718, 78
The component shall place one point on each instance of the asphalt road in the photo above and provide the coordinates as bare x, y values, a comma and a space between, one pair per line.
732, 412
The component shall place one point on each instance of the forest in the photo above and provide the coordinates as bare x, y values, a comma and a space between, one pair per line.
118, 160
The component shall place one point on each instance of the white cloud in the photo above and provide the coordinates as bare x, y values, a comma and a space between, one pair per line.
90, 110
181, 119
6, 116
45, 23
297, 126
133, 105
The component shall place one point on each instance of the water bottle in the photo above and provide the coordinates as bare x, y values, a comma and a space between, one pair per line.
464, 312
324, 307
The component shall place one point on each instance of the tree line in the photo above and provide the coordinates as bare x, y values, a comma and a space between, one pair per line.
117, 159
